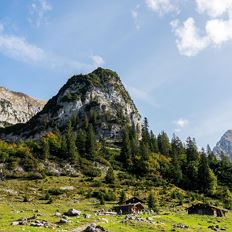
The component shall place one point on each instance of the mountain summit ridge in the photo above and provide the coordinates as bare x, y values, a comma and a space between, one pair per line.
224, 145
100, 96
17, 107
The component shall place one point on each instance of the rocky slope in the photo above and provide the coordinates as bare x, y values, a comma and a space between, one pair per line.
99, 96
224, 145
17, 107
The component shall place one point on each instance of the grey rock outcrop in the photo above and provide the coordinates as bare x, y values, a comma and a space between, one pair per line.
17, 107
224, 145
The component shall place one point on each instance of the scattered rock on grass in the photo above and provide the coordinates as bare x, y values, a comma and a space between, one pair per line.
86, 215
72, 213
58, 214
63, 221
40, 223
32, 222
15, 223
181, 226
138, 219
95, 228
214, 228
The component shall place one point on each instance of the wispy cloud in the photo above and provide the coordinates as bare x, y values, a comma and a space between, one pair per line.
162, 6
142, 95
181, 123
214, 8
97, 60
38, 12
18, 48
135, 16
211, 125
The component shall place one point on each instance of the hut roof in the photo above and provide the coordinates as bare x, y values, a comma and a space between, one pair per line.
204, 205
131, 201
128, 205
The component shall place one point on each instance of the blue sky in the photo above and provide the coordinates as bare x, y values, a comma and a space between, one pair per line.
174, 56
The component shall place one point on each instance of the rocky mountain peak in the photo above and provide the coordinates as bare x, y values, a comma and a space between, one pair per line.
224, 145
16, 107
99, 96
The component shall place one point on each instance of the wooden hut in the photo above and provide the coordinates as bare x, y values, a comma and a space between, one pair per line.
133, 200
206, 209
133, 208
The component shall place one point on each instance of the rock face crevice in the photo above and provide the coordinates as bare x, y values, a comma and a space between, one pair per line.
100, 96
17, 107
224, 145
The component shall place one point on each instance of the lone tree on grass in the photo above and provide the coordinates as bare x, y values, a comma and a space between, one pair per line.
110, 178
152, 202
122, 196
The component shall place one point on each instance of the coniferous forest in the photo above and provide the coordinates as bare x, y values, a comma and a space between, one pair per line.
154, 160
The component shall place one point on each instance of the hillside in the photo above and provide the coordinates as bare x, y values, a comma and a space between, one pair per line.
100, 96
17, 107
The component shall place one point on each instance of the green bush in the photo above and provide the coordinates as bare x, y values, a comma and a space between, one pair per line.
91, 171
107, 195
56, 192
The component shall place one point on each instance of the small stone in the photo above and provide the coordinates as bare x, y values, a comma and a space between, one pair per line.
86, 215
57, 214
63, 221
73, 213
15, 223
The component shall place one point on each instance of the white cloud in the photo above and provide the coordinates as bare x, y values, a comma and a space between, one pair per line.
189, 42
38, 10
135, 16
161, 6
219, 30
214, 8
97, 60
181, 123
18, 48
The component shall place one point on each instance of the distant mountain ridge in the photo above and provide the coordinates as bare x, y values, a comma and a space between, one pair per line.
224, 145
99, 96
16, 107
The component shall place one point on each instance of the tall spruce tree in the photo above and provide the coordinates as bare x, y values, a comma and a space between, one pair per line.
46, 149
81, 141
153, 143
145, 132
152, 202
164, 143
125, 155
110, 178
64, 147
227, 200
91, 143
192, 163
207, 181
177, 151
122, 196
71, 143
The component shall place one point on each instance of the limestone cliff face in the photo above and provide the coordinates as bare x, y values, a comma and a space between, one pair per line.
224, 145
17, 107
99, 94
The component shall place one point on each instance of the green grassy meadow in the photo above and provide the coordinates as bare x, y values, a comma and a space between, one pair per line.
14, 192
